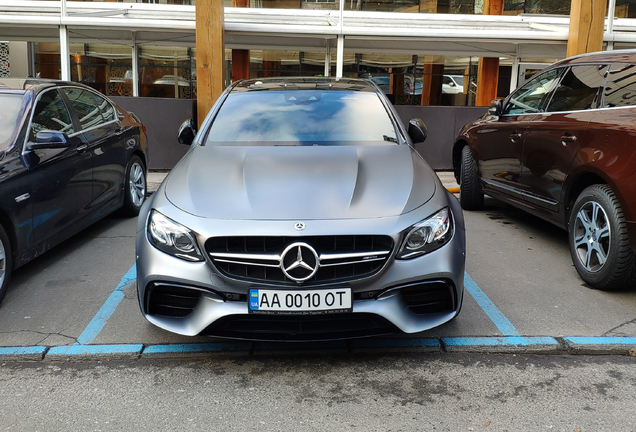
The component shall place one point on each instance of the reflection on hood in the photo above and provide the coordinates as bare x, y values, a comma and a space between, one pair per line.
300, 183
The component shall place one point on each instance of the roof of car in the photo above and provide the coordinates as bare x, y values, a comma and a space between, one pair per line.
627, 56
304, 83
31, 84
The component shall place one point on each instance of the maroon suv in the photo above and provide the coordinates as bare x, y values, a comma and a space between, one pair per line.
563, 147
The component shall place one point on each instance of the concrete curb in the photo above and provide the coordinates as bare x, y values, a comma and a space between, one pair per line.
89, 352
622, 345
506, 344
22, 353
619, 345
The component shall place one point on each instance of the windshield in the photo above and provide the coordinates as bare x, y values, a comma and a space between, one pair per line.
8, 117
302, 117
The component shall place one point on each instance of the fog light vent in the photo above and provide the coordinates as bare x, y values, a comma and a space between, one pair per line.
429, 297
171, 300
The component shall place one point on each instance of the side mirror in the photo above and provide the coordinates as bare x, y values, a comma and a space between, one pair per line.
495, 108
48, 139
417, 130
187, 131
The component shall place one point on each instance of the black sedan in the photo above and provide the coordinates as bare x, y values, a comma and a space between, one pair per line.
68, 157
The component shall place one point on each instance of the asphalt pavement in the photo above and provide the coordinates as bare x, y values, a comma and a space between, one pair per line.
523, 296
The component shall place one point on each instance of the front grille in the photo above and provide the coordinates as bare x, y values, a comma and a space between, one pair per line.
429, 297
258, 259
171, 300
298, 328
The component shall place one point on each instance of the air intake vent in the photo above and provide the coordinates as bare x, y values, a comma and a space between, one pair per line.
429, 297
171, 300
340, 258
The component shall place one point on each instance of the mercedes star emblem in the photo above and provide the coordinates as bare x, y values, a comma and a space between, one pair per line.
299, 262
299, 226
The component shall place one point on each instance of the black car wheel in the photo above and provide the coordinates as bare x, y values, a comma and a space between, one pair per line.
470, 195
599, 242
134, 187
5, 262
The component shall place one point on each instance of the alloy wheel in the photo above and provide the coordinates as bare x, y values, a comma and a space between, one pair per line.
137, 184
592, 236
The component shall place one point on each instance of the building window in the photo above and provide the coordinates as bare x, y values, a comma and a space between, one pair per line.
167, 72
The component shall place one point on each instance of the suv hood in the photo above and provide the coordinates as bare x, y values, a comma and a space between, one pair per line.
300, 183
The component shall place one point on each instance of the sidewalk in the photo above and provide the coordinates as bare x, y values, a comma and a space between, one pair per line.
156, 177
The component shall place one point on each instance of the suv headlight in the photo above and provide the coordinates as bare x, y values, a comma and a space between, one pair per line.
172, 238
427, 235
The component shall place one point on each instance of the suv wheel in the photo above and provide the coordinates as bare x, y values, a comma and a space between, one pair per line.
599, 243
470, 195
134, 187
5, 262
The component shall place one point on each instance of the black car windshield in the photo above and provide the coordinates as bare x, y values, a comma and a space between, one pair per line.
9, 113
302, 117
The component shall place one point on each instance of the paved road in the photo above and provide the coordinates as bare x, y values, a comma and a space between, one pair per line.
320, 392
523, 295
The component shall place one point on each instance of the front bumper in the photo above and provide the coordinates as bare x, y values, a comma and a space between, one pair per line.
384, 303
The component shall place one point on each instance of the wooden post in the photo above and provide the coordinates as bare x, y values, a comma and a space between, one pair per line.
488, 71
240, 58
271, 64
210, 55
587, 22
432, 82
240, 64
487, 80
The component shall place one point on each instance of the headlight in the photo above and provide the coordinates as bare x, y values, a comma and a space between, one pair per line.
172, 238
428, 235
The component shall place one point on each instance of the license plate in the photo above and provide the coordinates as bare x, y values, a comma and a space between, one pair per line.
266, 301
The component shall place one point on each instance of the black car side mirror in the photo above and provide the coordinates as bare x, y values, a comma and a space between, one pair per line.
187, 131
495, 108
48, 139
417, 130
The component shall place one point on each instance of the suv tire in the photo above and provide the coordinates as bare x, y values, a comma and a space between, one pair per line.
470, 195
599, 242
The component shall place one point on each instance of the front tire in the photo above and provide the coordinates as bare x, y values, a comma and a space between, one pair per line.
599, 242
470, 195
134, 187
6, 263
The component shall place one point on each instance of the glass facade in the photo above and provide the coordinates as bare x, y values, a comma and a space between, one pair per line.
168, 72
104, 67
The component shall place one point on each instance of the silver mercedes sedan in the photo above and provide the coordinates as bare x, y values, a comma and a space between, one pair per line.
301, 212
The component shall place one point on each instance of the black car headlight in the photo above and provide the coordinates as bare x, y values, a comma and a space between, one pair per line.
172, 238
427, 235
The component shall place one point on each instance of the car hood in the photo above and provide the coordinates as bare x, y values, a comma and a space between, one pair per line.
300, 182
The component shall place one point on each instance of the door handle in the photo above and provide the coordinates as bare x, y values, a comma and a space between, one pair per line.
81, 148
515, 136
567, 138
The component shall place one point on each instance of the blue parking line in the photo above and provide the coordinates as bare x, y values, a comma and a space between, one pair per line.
87, 350
22, 351
396, 343
601, 340
493, 341
197, 348
503, 324
99, 321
